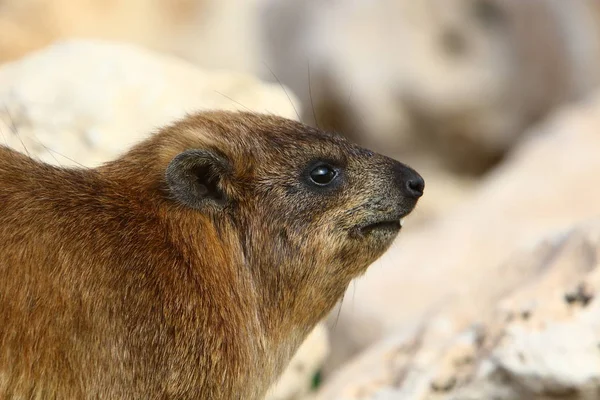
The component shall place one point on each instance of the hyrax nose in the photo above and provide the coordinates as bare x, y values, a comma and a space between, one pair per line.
411, 184
415, 186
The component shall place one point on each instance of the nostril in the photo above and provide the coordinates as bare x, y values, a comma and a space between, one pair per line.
415, 186
407, 181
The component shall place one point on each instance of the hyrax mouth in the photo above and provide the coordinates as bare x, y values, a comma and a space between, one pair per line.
393, 197
385, 225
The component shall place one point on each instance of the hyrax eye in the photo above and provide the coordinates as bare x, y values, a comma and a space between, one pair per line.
323, 175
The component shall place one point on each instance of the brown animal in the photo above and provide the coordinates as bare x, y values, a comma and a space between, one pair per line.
193, 266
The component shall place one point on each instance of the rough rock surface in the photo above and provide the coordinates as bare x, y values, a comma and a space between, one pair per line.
84, 102
464, 78
539, 342
455, 262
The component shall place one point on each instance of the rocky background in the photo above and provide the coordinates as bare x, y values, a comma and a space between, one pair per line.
491, 290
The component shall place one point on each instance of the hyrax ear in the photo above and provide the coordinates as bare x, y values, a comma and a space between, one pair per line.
195, 178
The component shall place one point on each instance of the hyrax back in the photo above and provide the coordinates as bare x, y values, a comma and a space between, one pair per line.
191, 267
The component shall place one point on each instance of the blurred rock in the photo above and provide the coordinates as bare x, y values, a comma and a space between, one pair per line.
210, 33
84, 102
461, 79
539, 342
458, 262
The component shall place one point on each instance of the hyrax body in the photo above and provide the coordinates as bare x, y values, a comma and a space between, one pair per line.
193, 266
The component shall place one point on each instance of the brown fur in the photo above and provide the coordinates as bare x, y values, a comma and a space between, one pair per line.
112, 288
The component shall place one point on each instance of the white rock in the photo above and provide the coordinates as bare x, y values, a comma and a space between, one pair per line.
87, 101
506, 352
557, 358
468, 76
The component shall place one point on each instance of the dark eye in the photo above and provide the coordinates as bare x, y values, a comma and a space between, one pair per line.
323, 174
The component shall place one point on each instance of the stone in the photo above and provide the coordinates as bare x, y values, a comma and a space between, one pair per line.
85, 102
460, 79
534, 343
460, 260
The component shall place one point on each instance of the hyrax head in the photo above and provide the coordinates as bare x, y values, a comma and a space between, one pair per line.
310, 210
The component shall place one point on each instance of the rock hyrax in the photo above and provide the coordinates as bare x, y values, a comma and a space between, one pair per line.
193, 266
